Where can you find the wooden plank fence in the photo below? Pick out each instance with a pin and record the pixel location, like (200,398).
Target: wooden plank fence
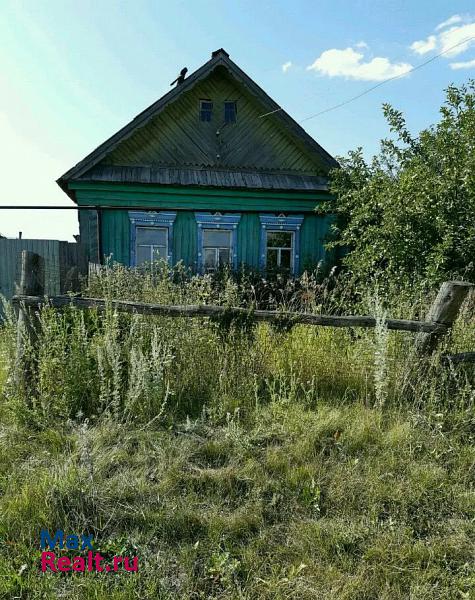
(439,320)
(64,263)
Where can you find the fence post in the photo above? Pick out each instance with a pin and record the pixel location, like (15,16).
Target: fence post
(444,311)
(31,284)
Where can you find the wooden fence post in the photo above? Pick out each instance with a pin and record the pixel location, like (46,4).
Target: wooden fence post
(443,311)
(32,279)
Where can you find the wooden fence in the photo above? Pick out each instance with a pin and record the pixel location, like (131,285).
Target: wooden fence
(30,296)
(64,263)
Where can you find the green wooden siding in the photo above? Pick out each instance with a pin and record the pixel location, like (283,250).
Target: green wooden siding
(185,239)
(115,230)
(115,224)
(313,237)
(248,240)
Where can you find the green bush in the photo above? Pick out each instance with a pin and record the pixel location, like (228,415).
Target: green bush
(407,215)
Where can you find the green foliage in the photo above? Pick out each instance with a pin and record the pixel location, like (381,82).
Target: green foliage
(407,216)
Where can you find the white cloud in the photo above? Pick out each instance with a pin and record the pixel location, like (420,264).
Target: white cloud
(468,64)
(455,31)
(424,46)
(351,64)
(456,35)
(450,21)
(286,66)
(361,45)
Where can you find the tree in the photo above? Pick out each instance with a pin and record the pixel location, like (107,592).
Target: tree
(409,214)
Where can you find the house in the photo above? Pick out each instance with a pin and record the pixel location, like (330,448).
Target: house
(212,173)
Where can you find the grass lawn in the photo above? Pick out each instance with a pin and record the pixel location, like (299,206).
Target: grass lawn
(238,465)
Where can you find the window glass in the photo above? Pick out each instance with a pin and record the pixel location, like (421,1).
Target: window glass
(151,243)
(143,254)
(279,250)
(224,257)
(216,237)
(206,110)
(279,239)
(210,258)
(272,255)
(159,253)
(216,248)
(230,111)
(152,236)
(285,259)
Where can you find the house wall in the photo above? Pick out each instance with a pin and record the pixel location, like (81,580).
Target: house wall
(114,225)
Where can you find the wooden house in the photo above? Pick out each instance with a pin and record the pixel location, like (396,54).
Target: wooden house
(213,173)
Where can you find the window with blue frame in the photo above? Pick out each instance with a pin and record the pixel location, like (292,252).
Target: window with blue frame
(151,236)
(217,240)
(280,243)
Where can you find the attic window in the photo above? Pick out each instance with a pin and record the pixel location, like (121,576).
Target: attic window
(230,111)
(206,110)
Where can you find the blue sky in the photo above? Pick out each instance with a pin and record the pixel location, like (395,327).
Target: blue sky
(72,73)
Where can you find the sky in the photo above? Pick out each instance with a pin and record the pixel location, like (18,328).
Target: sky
(72,73)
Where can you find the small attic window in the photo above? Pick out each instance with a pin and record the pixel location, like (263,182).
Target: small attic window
(206,110)
(230,111)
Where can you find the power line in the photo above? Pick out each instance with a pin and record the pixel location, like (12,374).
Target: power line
(367,91)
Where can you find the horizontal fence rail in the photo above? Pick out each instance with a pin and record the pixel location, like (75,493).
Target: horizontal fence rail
(199,310)
(31,295)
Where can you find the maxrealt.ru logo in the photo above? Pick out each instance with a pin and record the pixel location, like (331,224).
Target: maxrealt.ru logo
(90,561)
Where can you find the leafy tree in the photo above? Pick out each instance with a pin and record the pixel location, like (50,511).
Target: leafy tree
(409,213)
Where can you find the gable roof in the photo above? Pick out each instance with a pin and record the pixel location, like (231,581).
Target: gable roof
(218,58)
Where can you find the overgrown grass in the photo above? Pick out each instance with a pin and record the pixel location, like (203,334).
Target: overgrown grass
(237,461)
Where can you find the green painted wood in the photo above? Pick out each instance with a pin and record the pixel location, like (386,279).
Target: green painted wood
(248,240)
(115,231)
(213,203)
(115,225)
(185,236)
(114,188)
(313,237)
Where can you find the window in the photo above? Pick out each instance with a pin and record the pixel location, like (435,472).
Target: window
(230,111)
(206,110)
(216,248)
(279,250)
(151,236)
(151,243)
(280,242)
(217,240)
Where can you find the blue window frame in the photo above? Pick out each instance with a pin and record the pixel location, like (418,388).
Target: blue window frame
(280,242)
(151,236)
(217,240)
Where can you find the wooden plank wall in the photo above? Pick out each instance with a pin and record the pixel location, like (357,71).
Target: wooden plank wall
(178,137)
(60,258)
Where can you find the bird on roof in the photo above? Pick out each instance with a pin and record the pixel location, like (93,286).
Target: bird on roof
(181,77)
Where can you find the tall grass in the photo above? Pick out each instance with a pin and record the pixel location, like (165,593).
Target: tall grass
(239,461)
